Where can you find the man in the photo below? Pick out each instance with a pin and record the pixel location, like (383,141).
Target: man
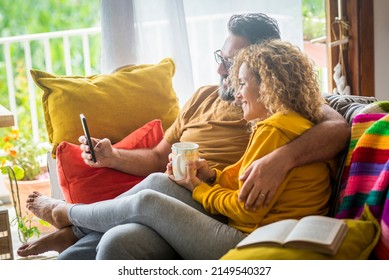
(217,126)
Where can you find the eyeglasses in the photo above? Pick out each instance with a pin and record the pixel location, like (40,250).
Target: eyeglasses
(220,59)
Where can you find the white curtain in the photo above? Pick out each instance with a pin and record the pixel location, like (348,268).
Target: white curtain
(146,31)
(117,35)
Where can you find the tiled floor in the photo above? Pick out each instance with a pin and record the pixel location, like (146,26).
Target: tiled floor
(16,243)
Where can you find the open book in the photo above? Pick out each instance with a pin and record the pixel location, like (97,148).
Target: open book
(317,233)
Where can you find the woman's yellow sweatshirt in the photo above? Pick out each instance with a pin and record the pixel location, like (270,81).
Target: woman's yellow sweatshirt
(305,191)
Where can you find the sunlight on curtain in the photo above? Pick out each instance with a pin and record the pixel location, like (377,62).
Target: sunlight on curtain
(186,30)
(117,35)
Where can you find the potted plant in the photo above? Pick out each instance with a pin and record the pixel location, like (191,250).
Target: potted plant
(20,161)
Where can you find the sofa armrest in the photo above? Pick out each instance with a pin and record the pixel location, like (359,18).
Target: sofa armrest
(56,191)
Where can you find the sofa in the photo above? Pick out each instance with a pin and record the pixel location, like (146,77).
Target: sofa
(365,226)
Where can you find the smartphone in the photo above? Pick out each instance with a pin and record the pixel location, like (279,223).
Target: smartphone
(87,135)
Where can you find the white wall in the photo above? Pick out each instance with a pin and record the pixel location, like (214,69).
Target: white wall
(381,47)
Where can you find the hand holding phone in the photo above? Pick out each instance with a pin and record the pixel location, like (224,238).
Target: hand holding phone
(87,135)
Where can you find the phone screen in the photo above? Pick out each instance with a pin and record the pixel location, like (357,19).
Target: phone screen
(87,135)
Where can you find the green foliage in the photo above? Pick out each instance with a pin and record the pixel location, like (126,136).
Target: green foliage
(21,154)
(18,171)
(20,17)
(25,228)
(24,222)
(314,24)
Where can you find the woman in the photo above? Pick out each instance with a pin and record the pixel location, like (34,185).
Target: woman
(278,91)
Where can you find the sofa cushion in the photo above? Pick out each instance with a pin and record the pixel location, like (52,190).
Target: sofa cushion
(114,104)
(81,183)
(360,240)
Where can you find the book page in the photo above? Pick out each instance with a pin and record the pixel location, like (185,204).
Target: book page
(316,229)
(275,232)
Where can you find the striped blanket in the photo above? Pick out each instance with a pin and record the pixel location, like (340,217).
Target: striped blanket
(365,178)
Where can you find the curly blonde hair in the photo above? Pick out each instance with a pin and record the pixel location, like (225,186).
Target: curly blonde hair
(286,77)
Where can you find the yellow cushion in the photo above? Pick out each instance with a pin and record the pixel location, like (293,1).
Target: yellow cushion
(360,240)
(114,104)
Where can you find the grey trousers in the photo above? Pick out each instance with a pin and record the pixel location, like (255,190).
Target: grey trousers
(157,219)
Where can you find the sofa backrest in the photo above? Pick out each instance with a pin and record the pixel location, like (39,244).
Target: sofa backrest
(348,105)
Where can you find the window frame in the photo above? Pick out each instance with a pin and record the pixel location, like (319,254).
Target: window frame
(359,52)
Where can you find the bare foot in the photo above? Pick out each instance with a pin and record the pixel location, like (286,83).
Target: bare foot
(56,241)
(51,210)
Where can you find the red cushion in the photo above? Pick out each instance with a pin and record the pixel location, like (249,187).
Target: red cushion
(83,184)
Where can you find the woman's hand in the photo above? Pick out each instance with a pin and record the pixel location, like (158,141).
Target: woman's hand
(204,172)
(191,180)
(196,172)
(169,166)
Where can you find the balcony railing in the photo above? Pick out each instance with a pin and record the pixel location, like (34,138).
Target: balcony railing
(45,40)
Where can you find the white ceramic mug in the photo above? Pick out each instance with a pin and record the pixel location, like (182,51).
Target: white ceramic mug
(182,153)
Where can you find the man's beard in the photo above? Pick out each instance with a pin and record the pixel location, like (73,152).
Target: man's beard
(226,93)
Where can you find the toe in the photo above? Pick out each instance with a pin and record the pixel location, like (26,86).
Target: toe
(22,250)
